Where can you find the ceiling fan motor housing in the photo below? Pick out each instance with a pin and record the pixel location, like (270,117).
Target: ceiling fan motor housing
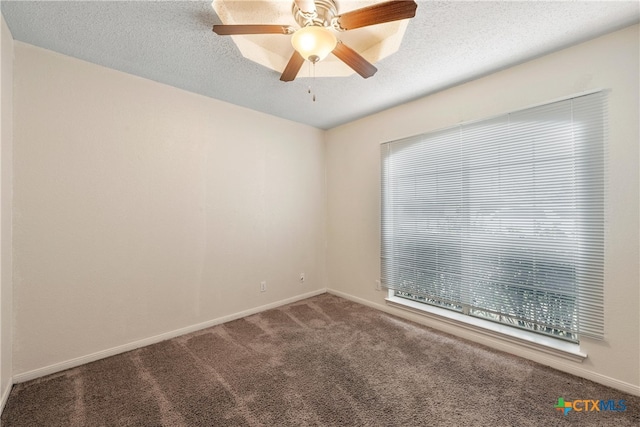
(326,10)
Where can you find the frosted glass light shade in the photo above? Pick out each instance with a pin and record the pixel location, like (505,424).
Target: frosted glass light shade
(314,43)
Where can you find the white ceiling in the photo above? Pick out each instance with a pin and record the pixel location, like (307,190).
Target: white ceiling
(447,43)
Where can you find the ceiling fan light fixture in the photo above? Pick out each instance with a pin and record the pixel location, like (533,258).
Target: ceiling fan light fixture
(313,42)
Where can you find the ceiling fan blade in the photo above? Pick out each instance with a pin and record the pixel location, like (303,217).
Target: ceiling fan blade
(377,14)
(230,30)
(354,60)
(307,6)
(291,70)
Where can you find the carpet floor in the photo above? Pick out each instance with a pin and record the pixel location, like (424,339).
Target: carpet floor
(324,361)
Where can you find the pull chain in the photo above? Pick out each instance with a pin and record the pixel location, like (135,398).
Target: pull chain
(309,89)
(314,80)
(312,75)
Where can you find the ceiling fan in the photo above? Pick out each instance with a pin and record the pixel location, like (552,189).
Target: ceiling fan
(315,38)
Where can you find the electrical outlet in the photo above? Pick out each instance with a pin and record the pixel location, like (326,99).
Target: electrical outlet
(378,287)
(301,277)
(263,286)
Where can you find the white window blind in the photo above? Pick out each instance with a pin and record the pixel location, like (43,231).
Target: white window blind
(503,218)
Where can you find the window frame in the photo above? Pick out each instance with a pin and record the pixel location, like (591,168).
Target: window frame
(571,348)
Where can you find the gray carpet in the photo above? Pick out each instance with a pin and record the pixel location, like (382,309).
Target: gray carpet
(324,361)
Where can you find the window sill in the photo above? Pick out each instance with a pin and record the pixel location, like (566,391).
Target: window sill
(505,333)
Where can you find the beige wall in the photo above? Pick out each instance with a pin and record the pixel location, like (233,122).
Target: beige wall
(353,176)
(6,167)
(141,209)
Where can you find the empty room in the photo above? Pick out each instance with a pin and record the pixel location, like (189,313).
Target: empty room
(319,213)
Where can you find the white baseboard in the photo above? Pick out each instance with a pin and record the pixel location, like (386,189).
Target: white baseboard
(508,347)
(5,396)
(72,363)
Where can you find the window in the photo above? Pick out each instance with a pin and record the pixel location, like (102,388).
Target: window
(503,218)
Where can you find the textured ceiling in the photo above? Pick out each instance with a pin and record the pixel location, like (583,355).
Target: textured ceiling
(447,43)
